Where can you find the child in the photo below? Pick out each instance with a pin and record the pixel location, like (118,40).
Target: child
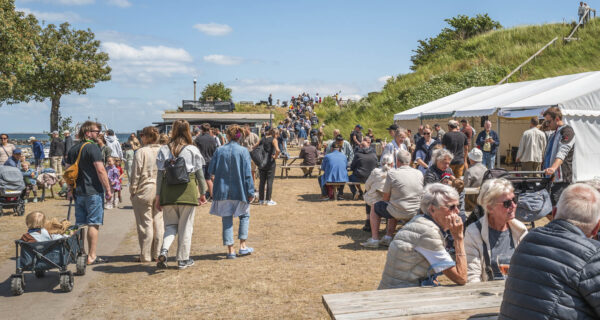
(115,184)
(36,232)
(29,176)
(121,175)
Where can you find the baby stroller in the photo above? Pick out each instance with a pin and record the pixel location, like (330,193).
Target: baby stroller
(40,257)
(12,188)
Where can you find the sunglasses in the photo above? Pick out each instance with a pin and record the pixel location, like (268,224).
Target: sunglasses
(452,207)
(427,133)
(508,203)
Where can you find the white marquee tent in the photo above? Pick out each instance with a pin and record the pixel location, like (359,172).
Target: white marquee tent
(577,95)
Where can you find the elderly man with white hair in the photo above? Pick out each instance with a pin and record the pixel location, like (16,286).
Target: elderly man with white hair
(401,197)
(494,235)
(418,253)
(489,142)
(555,271)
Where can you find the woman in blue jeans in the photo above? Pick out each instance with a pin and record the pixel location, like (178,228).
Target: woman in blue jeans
(233,189)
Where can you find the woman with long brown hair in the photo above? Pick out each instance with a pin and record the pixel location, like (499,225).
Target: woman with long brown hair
(233,189)
(180,188)
(142,187)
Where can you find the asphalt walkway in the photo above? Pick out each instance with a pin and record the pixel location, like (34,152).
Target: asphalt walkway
(43,297)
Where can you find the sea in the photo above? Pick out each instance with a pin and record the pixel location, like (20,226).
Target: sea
(20,140)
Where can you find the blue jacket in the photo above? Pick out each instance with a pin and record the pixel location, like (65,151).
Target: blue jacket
(481,140)
(38,150)
(13,163)
(334,168)
(230,164)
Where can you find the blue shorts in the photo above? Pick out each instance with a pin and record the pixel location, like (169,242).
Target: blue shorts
(381,210)
(89,210)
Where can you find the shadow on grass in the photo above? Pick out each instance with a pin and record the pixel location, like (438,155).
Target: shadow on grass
(211,257)
(127,208)
(310,197)
(357,235)
(352,222)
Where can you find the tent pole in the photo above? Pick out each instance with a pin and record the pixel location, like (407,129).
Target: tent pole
(497,153)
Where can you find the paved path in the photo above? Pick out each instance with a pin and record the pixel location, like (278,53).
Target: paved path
(42,297)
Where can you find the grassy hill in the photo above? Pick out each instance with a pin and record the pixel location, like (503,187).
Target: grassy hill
(482,60)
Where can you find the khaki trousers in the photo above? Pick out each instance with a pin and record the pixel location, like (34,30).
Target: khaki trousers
(458,169)
(531,166)
(179,220)
(56,164)
(150,228)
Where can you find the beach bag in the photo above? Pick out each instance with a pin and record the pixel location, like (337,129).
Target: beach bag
(72,172)
(260,156)
(176,171)
(532,206)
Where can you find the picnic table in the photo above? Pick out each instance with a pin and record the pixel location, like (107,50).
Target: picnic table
(287,166)
(473,301)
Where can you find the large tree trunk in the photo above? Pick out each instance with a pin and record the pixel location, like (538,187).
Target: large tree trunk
(54,114)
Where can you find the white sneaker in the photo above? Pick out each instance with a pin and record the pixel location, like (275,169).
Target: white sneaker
(271,203)
(371,243)
(261,202)
(386,241)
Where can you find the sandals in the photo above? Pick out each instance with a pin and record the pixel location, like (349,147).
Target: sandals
(231,256)
(245,252)
(98,260)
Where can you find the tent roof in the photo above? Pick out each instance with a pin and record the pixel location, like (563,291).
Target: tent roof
(576,94)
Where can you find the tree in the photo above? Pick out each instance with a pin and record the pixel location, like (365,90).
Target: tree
(461,28)
(18,35)
(216,91)
(67,61)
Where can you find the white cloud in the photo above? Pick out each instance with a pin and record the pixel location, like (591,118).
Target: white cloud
(54,16)
(384,79)
(64,2)
(144,64)
(213,29)
(223,60)
(120,3)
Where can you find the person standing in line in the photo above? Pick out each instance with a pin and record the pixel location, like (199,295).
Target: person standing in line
(92,186)
(233,189)
(531,147)
(558,159)
(457,143)
(38,152)
(267,174)
(6,149)
(57,151)
(142,189)
(488,141)
(207,146)
(177,198)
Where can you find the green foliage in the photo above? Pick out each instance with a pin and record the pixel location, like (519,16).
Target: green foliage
(65,123)
(481,60)
(68,61)
(461,28)
(216,91)
(18,34)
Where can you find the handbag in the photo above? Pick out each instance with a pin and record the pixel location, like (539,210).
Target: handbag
(260,156)
(176,171)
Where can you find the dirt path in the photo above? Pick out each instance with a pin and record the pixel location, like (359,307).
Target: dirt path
(43,296)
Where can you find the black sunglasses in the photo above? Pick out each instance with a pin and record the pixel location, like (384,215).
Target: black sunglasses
(452,207)
(508,203)
(426,133)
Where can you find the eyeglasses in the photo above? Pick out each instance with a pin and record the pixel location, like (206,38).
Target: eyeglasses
(427,133)
(452,207)
(3,138)
(508,203)
(96,131)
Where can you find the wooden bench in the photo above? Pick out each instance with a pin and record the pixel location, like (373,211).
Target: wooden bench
(474,301)
(287,169)
(336,185)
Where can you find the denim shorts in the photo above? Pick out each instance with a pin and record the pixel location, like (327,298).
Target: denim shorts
(89,210)
(381,210)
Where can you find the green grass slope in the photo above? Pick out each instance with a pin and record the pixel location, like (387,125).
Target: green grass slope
(482,60)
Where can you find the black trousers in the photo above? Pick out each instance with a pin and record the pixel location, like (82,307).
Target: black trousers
(266,176)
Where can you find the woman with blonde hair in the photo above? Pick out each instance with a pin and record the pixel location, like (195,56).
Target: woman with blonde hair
(233,189)
(267,174)
(180,188)
(142,187)
(496,234)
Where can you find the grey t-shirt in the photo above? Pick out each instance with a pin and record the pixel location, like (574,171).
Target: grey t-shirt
(405,186)
(501,243)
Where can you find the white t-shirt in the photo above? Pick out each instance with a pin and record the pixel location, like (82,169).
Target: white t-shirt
(439,260)
(190,154)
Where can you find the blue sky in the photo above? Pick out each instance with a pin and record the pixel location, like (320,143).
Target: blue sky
(257,47)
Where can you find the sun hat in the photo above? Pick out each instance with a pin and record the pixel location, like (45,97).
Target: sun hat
(475,155)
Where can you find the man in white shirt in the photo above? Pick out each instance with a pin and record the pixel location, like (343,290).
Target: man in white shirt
(531,147)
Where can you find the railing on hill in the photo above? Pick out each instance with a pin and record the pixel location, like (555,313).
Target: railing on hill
(520,67)
(580,23)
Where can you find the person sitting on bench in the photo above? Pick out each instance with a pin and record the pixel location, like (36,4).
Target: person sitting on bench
(309,155)
(334,170)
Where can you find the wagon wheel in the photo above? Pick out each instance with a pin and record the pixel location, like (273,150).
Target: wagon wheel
(81,264)
(20,208)
(66,282)
(17,287)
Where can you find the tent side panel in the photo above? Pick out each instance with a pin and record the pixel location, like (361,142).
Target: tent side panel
(587,146)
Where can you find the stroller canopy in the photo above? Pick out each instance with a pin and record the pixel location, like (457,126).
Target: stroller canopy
(11,178)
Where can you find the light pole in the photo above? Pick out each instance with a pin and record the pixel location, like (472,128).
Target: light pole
(194,89)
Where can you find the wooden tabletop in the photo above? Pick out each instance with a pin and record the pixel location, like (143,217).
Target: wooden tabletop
(481,300)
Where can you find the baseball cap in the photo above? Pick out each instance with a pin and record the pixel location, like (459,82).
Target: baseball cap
(54,132)
(339,137)
(66,131)
(392,127)
(358,126)
(17,151)
(31,138)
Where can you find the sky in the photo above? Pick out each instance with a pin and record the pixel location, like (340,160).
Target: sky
(157,49)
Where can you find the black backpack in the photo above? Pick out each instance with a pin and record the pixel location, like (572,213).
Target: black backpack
(260,156)
(176,171)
